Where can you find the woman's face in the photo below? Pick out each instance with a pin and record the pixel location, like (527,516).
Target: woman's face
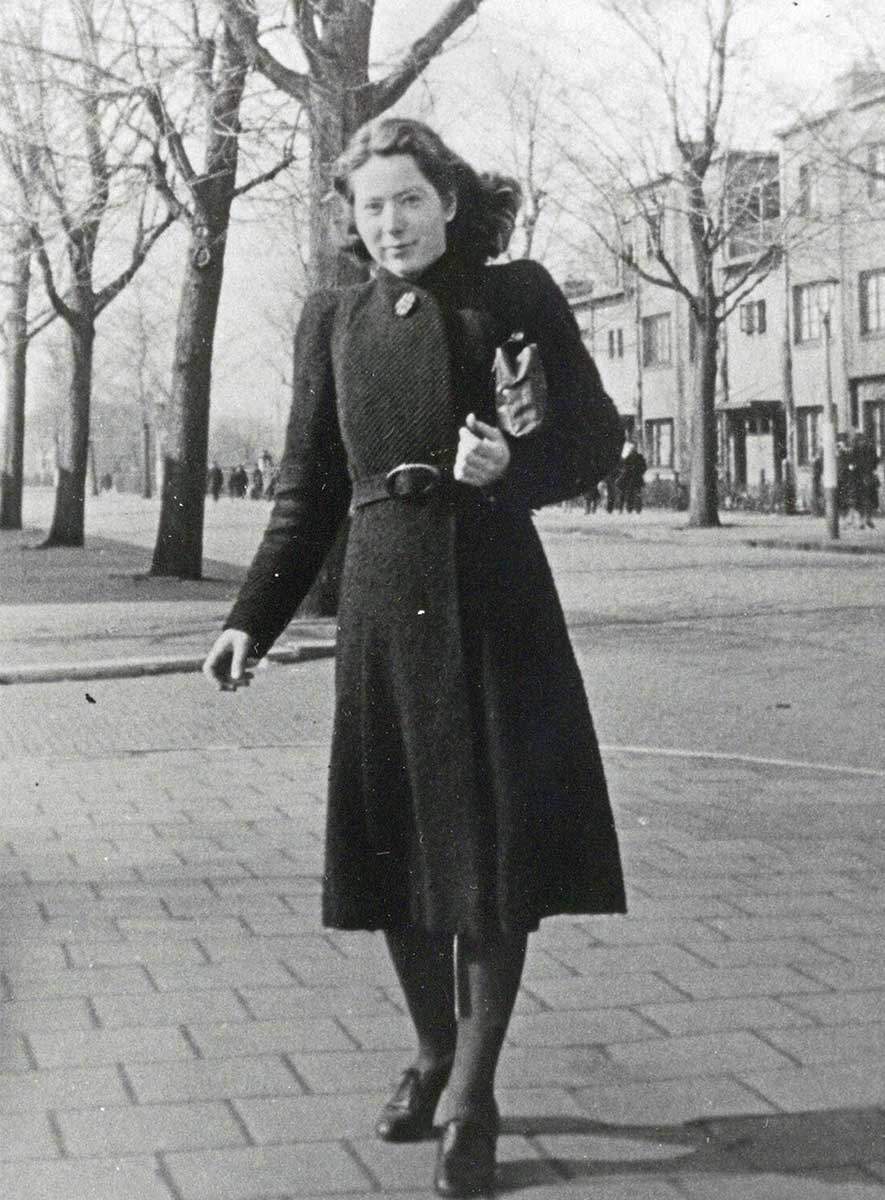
(399,214)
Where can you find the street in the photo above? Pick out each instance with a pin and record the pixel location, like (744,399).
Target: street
(176,1024)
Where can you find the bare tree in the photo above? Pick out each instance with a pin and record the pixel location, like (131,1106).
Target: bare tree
(725,201)
(203,201)
(84,166)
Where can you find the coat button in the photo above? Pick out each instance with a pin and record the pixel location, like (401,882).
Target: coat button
(405,304)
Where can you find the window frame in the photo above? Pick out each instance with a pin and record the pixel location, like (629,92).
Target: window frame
(867,328)
(653,441)
(652,355)
(808,433)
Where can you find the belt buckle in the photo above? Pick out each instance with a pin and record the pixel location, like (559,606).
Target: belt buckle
(405,480)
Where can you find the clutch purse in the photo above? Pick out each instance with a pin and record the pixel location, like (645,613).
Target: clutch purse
(520,387)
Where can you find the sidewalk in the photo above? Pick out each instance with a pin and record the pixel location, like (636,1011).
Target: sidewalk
(95,612)
(175,1024)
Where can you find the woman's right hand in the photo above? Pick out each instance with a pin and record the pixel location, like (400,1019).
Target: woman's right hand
(225,663)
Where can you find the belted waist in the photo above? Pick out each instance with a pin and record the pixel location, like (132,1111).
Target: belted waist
(407,481)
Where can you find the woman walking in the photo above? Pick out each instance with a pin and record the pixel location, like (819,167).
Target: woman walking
(466,793)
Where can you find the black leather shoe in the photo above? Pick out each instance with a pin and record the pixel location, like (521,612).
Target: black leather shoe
(465,1163)
(408,1114)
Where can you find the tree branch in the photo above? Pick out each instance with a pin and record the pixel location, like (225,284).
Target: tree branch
(142,248)
(240,18)
(387,91)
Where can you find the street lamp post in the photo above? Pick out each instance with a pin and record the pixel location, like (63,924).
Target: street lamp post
(830,478)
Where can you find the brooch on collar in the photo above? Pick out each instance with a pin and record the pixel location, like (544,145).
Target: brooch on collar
(407,302)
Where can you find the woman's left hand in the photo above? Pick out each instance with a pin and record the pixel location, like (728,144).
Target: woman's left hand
(483,454)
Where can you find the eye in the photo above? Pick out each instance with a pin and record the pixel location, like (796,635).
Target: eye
(412,198)
(372,206)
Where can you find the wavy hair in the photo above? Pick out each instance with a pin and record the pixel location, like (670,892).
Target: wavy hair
(486,204)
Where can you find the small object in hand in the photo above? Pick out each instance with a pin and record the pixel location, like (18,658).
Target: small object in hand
(231,685)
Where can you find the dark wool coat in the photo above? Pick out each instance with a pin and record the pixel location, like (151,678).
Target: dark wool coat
(466,791)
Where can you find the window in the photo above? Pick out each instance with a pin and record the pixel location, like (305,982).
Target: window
(810,301)
(871,291)
(807,435)
(659,442)
(876,170)
(809,195)
(752,316)
(654,233)
(656,341)
(616,343)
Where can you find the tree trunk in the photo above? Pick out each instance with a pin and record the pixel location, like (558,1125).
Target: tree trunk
(185,450)
(179,546)
(12,430)
(67,528)
(703,503)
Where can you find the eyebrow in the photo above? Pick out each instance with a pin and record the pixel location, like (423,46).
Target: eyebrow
(415,187)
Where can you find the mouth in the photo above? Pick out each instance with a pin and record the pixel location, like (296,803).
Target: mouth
(402,249)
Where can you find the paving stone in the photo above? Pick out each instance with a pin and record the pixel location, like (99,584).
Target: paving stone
(411,1166)
(27,1091)
(26,1135)
(134,951)
(265,1171)
(212,1079)
(169,1008)
(148,1128)
(780,952)
(237,973)
(799,1089)
(707,983)
(842,1008)
(641,987)
(571,1067)
(849,976)
(753,1186)
(269,1037)
(94,1047)
(839,1043)
(703,1054)
(24,1016)
(355,1071)
(310,1118)
(705,1016)
(70,982)
(274,1003)
(670,1103)
(114,1179)
(578,1028)
(604,961)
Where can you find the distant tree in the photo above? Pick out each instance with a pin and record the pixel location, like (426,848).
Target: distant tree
(720,196)
(85,164)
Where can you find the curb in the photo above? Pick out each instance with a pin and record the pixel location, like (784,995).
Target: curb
(828,547)
(134,668)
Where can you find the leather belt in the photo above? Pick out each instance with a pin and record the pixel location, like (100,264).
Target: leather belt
(408,481)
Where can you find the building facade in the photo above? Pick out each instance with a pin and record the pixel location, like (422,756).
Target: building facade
(812,328)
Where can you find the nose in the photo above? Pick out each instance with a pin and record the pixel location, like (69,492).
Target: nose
(392,217)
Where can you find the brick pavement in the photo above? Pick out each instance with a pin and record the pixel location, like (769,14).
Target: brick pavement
(176,1025)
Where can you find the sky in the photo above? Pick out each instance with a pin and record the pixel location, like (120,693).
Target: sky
(790,51)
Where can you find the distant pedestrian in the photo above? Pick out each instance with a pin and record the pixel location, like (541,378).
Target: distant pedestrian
(215,481)
(612,486)
(467,798)
(817,483)
(256,484)
(862,491)
(633,468)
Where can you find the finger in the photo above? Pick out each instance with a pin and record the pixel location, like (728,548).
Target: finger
(482,430)
(216,665)
(238,662)
(467,439)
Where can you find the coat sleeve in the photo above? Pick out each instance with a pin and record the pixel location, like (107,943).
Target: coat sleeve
(581,438)
(312,492)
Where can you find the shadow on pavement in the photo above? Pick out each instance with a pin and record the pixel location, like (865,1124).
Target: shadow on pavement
(774,1144)
(103,570)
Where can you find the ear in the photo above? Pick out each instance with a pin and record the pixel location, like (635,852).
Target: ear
(450,207)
